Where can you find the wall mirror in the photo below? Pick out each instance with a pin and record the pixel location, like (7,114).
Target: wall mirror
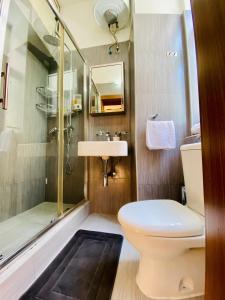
(107,89)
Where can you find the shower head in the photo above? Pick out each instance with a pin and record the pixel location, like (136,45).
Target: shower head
(111,16)
(51,40)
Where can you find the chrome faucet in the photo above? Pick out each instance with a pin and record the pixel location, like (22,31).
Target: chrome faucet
(108,136)
(119,134)
(100,132)
(106,133)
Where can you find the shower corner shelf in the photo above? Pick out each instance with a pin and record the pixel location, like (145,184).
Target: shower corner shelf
(46,93)
(50,110)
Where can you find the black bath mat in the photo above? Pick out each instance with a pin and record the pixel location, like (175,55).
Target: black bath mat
(84,270)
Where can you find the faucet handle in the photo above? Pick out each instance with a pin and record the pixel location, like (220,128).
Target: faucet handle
(124,133)
(100,132)
(106,133)
(108,136)
(120,133)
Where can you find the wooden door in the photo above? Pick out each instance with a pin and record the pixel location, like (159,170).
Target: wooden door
(209,26)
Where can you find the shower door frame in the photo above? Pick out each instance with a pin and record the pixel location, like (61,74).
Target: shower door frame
(60,116)
(60,111)
(60,124)
(4,11)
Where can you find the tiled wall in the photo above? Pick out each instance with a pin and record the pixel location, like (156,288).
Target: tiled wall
(160,88)
(23,170)
(73,189)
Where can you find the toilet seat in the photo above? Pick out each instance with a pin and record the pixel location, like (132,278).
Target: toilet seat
(161,218)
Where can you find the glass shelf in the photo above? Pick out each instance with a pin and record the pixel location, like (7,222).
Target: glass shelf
(51,111)
(46,93)
(48,109)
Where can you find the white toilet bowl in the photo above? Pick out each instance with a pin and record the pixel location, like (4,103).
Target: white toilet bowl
(170,239)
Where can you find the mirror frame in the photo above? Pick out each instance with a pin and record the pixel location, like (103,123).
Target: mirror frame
(121,63)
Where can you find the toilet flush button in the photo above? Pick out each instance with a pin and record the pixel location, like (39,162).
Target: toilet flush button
(171,53)
(186,285)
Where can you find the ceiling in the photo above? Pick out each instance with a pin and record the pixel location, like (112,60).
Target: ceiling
(79,17)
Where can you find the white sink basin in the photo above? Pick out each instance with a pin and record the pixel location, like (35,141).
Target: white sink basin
(102,148)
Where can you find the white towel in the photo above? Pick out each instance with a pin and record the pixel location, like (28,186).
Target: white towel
(196,129)
(160,135)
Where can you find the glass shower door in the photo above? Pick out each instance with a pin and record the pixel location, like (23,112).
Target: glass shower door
(29,54)
(74,166)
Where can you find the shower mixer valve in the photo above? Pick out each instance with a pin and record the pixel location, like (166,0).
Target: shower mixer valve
(54,130)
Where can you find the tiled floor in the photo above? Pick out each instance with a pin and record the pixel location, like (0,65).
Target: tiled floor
(17,230)
(125,287)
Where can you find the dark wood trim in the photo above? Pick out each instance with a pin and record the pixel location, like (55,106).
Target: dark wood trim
(108,113)
(209,26)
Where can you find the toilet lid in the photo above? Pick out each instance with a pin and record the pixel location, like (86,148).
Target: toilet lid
(161,218)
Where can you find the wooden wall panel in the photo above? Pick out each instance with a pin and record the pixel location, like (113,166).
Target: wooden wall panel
(160,87)
(109,199)
(209,25)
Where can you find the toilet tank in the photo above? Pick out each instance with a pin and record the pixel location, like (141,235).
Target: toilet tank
(192,167)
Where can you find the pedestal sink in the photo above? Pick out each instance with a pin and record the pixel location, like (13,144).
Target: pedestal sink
(103,149)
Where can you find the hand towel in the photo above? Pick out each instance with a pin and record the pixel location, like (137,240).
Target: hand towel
(196,129)
(160,135)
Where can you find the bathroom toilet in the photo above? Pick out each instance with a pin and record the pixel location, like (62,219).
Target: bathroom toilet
(170,237)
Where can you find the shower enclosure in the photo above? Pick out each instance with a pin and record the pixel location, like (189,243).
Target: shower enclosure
(42,101)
